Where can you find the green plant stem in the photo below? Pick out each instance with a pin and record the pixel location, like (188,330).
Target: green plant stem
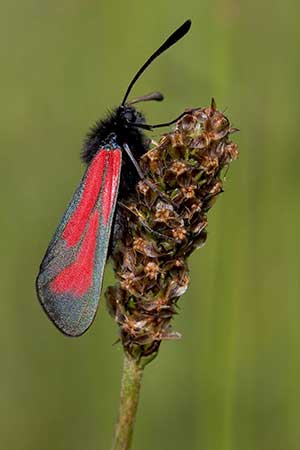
(130,390)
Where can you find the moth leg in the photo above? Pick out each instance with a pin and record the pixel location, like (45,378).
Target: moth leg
(142,175)
(147,126)
(145,225)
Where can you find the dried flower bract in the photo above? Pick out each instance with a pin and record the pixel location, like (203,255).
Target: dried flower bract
(161,231)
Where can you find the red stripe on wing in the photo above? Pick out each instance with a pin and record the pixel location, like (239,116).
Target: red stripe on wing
(78,277)
(92,184)
(111,184)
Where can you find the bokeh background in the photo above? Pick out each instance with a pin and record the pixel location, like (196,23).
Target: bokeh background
(232,382)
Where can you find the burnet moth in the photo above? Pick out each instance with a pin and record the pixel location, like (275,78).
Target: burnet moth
(70,277)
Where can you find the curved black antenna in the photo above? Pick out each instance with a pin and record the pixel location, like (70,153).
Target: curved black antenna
(157,96)
(178,34)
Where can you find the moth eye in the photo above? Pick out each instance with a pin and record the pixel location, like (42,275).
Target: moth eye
(129,116)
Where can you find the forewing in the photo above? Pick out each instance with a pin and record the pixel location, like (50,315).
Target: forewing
(70,277)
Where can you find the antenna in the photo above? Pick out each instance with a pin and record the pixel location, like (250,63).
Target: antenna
(178,34)
(157,96)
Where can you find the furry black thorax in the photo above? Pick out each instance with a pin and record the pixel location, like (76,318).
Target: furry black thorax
(120,124)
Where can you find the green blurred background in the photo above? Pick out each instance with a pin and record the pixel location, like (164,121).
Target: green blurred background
(232,382)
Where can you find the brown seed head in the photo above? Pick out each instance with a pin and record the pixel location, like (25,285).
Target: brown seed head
(162,230)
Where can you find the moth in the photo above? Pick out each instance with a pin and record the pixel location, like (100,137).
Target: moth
(70,276)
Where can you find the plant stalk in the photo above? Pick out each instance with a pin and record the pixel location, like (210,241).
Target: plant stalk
(130,390)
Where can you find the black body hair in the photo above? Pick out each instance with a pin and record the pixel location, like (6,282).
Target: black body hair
(124,124)
(120,123)
(116,129)
(119,127)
